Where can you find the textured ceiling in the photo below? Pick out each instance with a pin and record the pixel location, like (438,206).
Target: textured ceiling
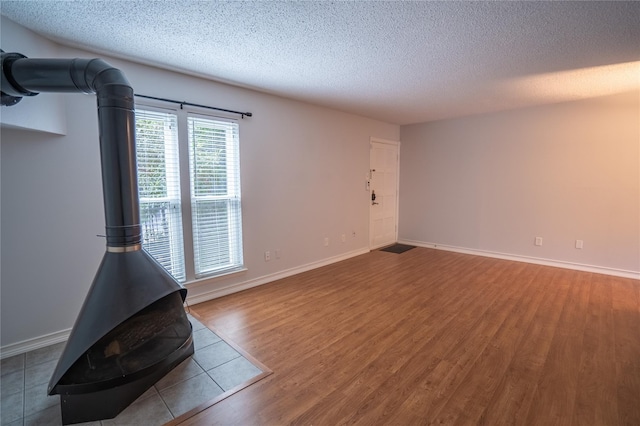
(401,62)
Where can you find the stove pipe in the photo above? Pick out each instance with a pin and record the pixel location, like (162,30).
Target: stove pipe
(116,120)
(128,279)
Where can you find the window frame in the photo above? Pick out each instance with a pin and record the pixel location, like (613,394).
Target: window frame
(182,113)
(173,196)
(235,198)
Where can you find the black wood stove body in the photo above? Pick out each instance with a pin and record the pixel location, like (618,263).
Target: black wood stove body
(132,328)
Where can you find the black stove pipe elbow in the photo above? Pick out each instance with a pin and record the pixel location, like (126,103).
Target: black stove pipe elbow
(22,76)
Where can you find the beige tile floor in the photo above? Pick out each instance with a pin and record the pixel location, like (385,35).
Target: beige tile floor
(214,369)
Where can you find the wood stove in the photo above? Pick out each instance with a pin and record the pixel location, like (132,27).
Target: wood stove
(132,328)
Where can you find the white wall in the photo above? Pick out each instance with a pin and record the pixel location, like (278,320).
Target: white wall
(303,170)
(48,114)
(493,183)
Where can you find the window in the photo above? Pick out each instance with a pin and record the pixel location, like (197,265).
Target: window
(198,235)
(159,189)
(215,194)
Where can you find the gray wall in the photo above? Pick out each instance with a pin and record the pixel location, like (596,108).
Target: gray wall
(494,182)
(303,174)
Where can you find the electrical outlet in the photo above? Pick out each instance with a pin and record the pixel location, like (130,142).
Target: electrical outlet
(353,234)
(267,256)
(579,244)
(538,241)
(326,241)
(344,238)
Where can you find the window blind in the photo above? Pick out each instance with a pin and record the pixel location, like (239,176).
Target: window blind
(159,189)
(215,194)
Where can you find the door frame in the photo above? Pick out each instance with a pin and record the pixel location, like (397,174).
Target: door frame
(396,143)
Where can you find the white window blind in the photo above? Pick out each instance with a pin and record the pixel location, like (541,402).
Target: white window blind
(215,194)
(211,175)
(159,189)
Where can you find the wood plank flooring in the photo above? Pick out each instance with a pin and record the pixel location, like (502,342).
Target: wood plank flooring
(433,337)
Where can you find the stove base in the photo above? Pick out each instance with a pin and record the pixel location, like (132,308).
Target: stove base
(108,403)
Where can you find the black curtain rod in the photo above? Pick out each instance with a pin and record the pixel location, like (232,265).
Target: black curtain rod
(182,103)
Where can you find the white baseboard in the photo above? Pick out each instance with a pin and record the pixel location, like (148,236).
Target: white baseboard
(234,288)
(535,260)
(32,344)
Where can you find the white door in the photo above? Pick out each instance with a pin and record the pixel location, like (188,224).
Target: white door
(383,191)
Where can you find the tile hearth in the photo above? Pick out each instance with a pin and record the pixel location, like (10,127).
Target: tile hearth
(215,368)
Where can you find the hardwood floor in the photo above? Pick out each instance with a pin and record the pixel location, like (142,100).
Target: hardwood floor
(433,337)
